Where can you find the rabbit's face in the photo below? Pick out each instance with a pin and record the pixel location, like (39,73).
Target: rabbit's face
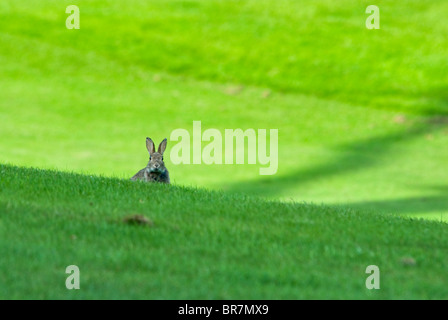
(156,164)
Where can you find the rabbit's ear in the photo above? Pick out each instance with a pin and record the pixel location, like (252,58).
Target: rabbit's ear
(150,146)
(162,146)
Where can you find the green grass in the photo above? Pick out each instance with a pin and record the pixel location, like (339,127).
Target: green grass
(319,48)
(203,244)
(84,100)
(363,128)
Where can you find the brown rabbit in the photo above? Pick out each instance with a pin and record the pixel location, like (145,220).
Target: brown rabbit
(155,170)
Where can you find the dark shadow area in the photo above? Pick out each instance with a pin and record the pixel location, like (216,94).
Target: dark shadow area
(439,107)
(424,204)
(353,157)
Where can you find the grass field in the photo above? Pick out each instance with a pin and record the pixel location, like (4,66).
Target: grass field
(362,117)
(202,244)
(361,113)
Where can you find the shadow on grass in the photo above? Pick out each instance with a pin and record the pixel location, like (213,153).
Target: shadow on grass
(423,204)
(354,157)
(439,107)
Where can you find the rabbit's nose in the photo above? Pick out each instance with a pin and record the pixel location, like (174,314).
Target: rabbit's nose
(156,165)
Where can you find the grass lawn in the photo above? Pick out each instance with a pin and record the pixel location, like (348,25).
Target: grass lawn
(361,113)
(362,117)
(202,244)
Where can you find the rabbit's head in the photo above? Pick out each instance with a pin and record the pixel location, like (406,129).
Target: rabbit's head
(156,164)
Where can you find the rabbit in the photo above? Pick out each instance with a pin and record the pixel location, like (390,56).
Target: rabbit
(155,171)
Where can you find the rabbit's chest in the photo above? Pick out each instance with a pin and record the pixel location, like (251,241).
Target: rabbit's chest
(157,177)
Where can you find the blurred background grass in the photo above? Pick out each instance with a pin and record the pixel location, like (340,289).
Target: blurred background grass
(362,114)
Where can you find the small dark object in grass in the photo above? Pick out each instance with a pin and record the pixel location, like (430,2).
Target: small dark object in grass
(408,261)
(138,219)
